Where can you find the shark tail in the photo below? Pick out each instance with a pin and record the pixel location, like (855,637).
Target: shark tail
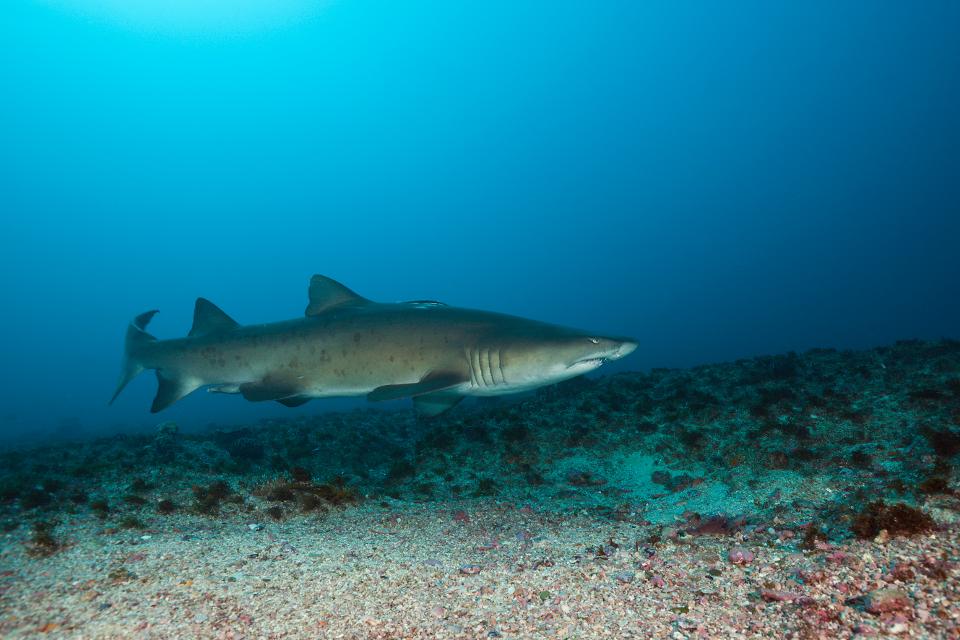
(137,336)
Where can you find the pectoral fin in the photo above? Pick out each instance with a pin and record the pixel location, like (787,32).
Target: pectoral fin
(294,401)
(434,381)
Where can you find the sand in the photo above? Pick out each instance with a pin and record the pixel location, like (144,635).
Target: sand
(470,570)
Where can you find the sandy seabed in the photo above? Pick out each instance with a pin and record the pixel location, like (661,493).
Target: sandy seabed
(473,570)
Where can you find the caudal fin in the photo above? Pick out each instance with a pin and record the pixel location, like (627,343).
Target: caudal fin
(137,336)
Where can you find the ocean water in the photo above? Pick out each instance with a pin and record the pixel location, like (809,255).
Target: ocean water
(764,197)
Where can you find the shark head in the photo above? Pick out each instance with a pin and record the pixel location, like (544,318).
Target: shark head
(553,354)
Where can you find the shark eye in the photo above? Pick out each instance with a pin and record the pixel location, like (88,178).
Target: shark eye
(595,340)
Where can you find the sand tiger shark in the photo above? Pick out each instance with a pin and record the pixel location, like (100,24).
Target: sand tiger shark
(347,345)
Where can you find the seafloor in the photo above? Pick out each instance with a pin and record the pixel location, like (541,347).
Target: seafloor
(812,495)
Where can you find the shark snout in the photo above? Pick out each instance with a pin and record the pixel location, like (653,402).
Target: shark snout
(623,347)
(605,350)
(616,348)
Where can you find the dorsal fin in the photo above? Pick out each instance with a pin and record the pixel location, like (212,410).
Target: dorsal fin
(326,293)
(209,318)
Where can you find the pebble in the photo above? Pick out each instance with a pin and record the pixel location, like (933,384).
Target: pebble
(255,527)
(625,576)
(470,569)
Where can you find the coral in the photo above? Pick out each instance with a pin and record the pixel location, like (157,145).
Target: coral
(934,485)
(208,499)
(246,449)
(310,502)
(580,478)
(896,519)
(944,442)
(42,543)
(336,493)
(516,433)
(275,512)
(281,493)
(166,507)
(485,487)
(811,535)
(399,471)
(861,459)
(139,485)
(35,498)
(165,445)
(100,508)
(310,496)
(299,474)
(218,489)
(718,525)
(120,575)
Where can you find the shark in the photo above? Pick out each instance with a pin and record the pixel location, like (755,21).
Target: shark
(348,345)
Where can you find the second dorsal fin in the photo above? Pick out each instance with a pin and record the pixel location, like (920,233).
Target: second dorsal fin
(208,318)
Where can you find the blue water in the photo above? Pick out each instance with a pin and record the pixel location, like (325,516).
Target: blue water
(716,180)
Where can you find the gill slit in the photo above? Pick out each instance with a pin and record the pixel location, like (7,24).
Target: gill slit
(468,352)
(475,363)
(484,373)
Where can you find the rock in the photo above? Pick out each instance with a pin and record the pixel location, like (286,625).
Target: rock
(662,478)
(740,555)
(168,428)
(470,569)
(580,478)
(625,577)
(770,595)
(165,444)
(887,600)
